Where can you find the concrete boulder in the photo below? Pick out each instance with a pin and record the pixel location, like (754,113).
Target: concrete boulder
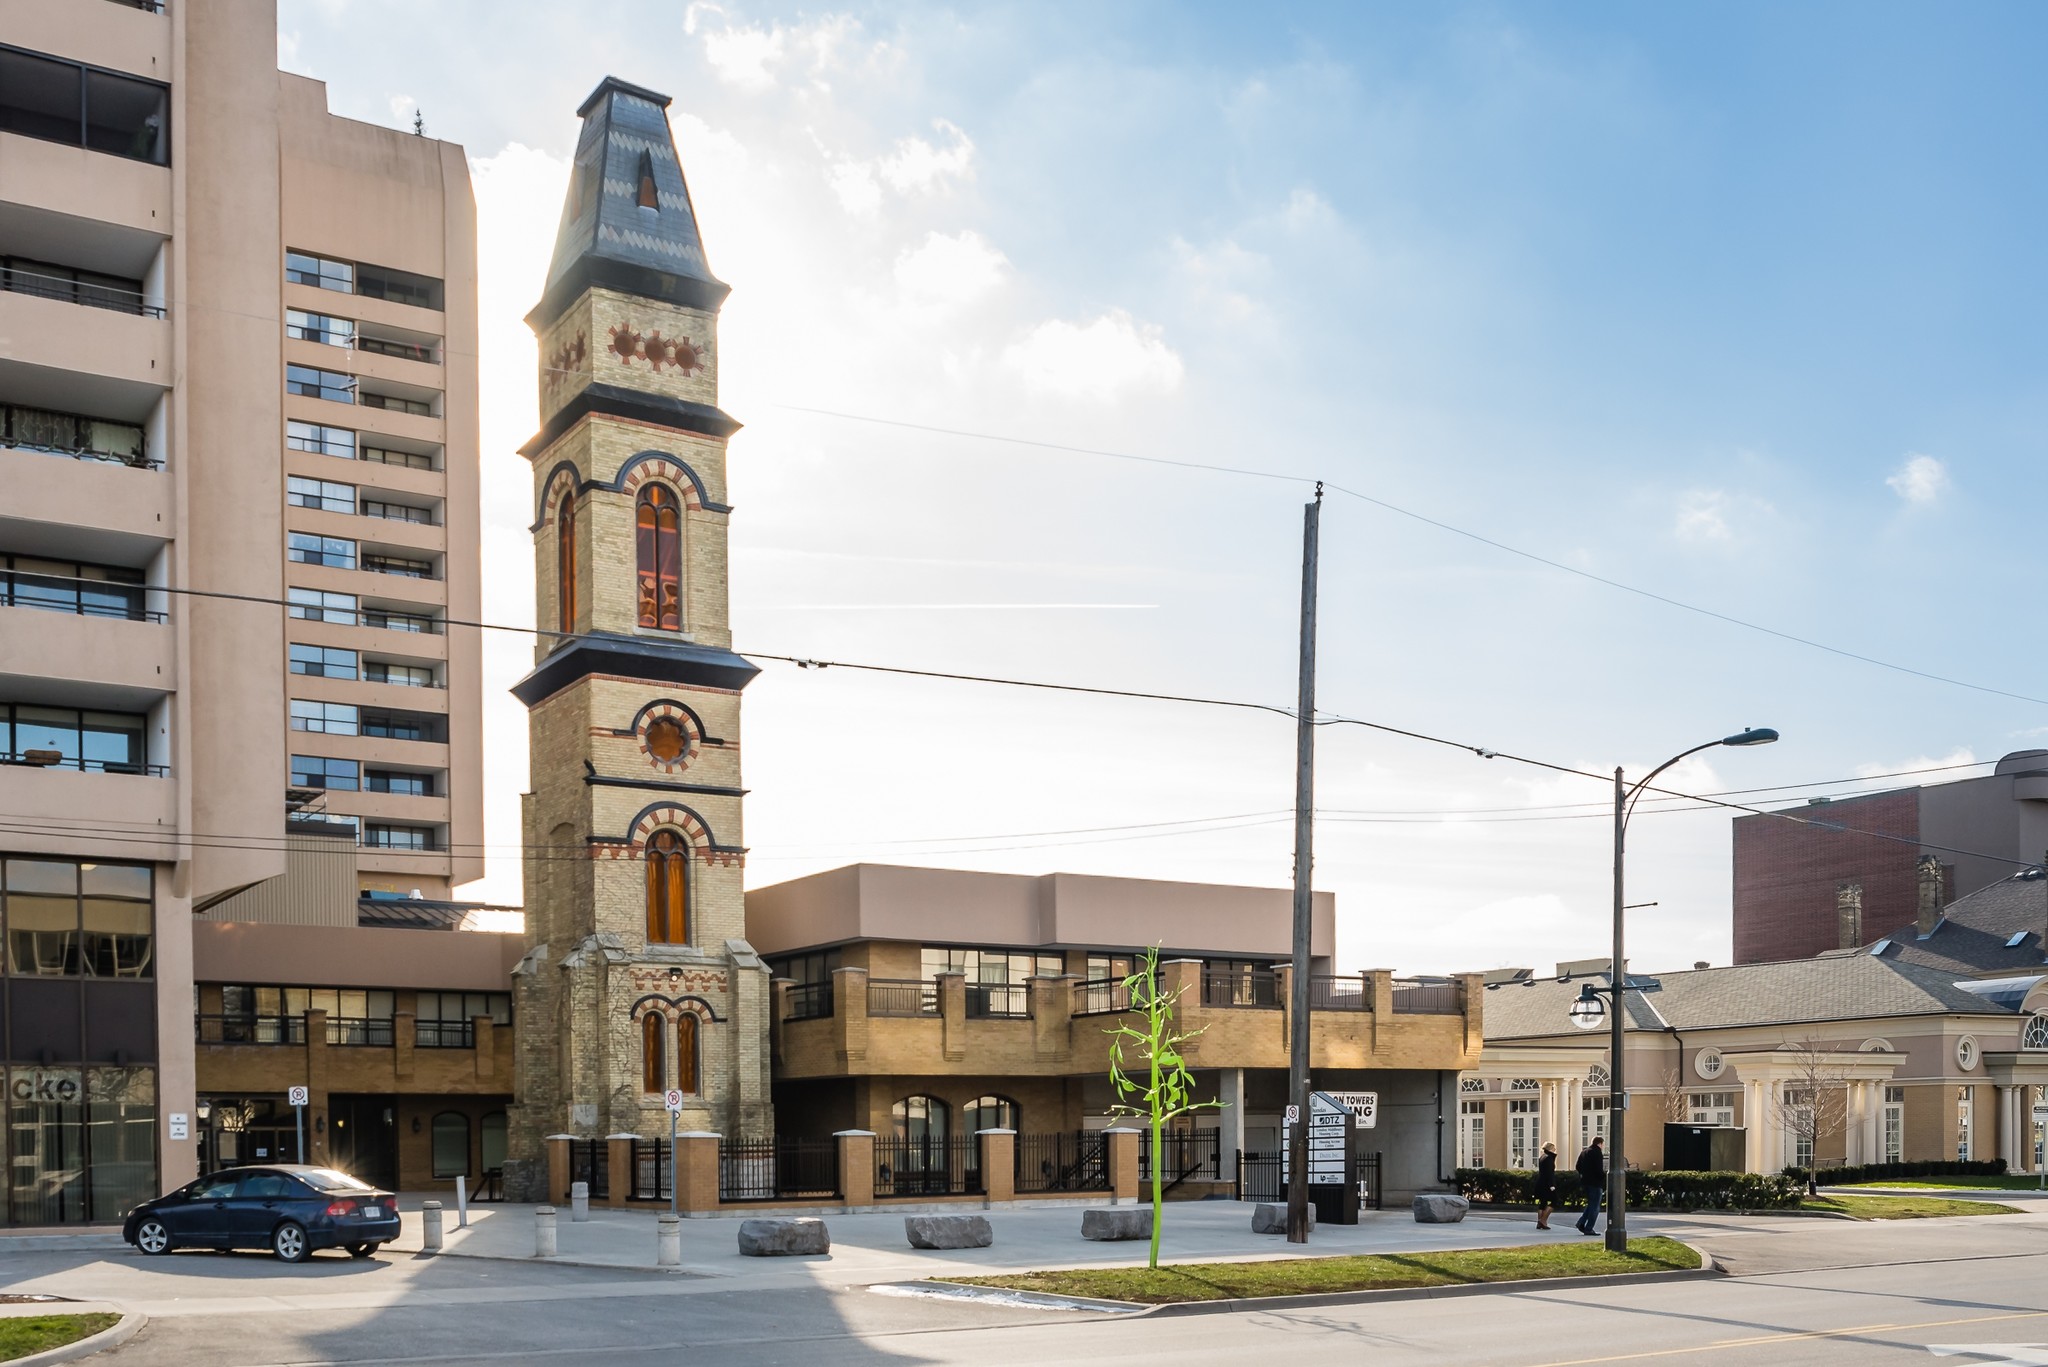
(1272,1219)
(1119,1222)
(783,1238)
(1440,1208)
(948,1231)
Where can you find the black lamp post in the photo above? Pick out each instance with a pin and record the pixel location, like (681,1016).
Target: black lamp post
(1625,796)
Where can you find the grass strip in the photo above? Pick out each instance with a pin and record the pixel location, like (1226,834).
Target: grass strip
(1376,1272)
(1859,1207)
(2032,1183)
(24,1334)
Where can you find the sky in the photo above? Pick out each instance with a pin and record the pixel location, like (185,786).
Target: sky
(1737,305)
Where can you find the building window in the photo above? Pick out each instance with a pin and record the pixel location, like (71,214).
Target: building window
(653,1054)
(309,382)
(1472,1134)
(1711,1108)
(77,920)
(668,890)
(451,1144)
(318,771)
(318,605)
(398,512)
(398,784)
(84,1142)
(649,197)
(1597,1076)
(565,562)
(1894,1124)
(320,439)
(326,718)
(324,273)
(660,555)
(1592,1119)
(1524,1132)
(400,287)
(386,455)
(491,1142)
(1966,1114)
(418,838)
(82,106)
(447,1020)
(68,285)
(919,1119)
(323,662)
(405,676)
(989,1113)
(67,738)
(998,981)
(412,623)
(405,567)
(1524,1084)
(403,726)
(1471,1084)
(302,326)
(305,548)
(395,403)
(322,494)
(73,586)
(74,434)
(686,1054)
(2035,1036)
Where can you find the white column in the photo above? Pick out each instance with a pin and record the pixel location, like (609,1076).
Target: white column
(1852,1122)
(1752,1127)
(1230,1121)
(2008,1124)
(1873,1123)
(1573,1097)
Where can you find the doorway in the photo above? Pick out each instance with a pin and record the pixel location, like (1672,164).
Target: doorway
(362,1138)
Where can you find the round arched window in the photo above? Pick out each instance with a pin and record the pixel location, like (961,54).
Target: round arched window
(1596,1076)
(666,739)
(2035,1036)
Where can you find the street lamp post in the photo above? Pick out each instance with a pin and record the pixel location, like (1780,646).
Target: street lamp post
(1625,796)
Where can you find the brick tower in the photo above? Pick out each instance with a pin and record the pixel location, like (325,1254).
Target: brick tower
(637,978)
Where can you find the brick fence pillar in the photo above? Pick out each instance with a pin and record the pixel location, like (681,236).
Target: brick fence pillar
(1123,1165)
(856,1166)
(618,1158)
(558,1166)
(696,1160)
(998,1164)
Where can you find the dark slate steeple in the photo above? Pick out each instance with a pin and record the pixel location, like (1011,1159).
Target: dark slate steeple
(628,224)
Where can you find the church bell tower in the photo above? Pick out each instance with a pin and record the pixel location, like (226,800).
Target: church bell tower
(637,978)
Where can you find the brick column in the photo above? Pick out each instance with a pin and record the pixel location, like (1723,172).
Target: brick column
(1052,1013)
(696,1160)
(1382,1009)
(856,1166)
(953,1016)
(1472,1002)
(1123,1165)
(316,1084)
(558,1166)
(778,1013)
(998,1164)
(484,1031)
(404,1036)
(618,1157)
(850,1013)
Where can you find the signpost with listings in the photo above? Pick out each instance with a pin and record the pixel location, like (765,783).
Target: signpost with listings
(1332,1170)
(298,1097)
(673,1099)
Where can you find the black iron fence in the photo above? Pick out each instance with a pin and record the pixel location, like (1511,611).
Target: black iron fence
(929,1166)
(1424,997)
(590,1162)
(1331,992)
(998,1001)
(902,997)
(1185,1155)
(778,1169)
(444,1034)
(369,1031)
(1101,997)
(1070,1160)
(653,1174)
(1259,1178)
(809,1001)
(1240,987)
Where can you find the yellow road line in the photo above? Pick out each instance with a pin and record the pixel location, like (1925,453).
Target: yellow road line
(1752,1342)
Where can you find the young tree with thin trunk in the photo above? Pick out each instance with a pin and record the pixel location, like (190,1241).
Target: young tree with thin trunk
(1813,1102)
(1157,1087)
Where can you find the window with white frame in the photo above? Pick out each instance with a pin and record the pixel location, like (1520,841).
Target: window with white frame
(1894,1136)
(1471,1084)
(1471,1134)
(1592,1119)
(1966,1109)
(1525,1132)
(1798,1127)
(1524,1084)
(2035,1036)
(1597,1076)
(1711,1108)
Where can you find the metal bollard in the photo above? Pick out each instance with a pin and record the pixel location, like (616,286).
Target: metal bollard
(579,1202)
(669,1245)
(430,1225)
(462,1203)
(544,1232)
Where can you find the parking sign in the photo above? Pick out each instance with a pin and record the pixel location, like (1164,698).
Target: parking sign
(673,1099)
(298,1096)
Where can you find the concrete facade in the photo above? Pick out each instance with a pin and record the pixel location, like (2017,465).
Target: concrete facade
(150,461)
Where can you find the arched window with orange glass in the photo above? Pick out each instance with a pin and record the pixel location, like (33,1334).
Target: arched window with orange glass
(686,1054)
(668,889)
(565,561)
(653,1054)
(659,544)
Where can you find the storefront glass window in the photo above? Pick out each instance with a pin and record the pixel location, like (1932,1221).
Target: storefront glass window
(81,1143)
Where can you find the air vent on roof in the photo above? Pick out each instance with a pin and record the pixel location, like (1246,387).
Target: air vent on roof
(2016,941)
(1877,950)
(2030,875)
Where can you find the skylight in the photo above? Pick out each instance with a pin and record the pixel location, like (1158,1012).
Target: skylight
(2017,940)
(1877,950)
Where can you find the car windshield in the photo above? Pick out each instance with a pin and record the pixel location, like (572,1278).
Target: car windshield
(328,1179)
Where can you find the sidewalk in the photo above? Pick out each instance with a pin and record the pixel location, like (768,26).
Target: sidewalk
(869,1248)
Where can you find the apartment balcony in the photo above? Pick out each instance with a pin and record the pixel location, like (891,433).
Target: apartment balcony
(86,185)
(403,647)
(264,1055)
(75,811)
(137,658)
(400,589)
(131,35)
(92,509)
(372,478)
(369,420)
(1054,1027)
(381,314)
(373,751)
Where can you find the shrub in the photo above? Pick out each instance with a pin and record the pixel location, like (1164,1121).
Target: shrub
(1663,1189)
(1880,1172)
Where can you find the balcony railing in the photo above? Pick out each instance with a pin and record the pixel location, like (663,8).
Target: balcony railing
(902,997)
(998,1001)
(411,622)
(809,1001)
(393,403)
(1226,988)
(364,1031)
(404,351)
(1423,998)
(77,595)
(1101,997)
(103,293)
(444,1034)
(77,435)
(42,759)
(397,512)
(1332,992)
(384,455)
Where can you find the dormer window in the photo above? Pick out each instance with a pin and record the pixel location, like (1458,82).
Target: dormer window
(649,197)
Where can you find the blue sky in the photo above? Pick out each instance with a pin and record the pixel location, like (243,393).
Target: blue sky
(1736,304)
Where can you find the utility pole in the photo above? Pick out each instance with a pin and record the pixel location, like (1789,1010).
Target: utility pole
(1304,830)
(1617,1063)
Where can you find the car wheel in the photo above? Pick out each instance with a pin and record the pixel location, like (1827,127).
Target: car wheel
(361,1250)
(152,1238)
(288,1242)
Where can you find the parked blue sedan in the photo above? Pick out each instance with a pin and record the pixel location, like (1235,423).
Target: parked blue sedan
(287,1208)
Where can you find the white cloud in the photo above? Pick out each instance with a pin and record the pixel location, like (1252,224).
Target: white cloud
(1922,479)
(1111,356)
(1961,755)
(860,194)
(403,107)
(1702,517)
(743,56)
(955,269)
(921,166)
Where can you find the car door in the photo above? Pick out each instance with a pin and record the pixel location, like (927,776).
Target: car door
(256,1207)
(199,1214)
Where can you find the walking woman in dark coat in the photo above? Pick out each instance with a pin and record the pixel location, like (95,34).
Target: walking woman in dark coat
(1546,1185)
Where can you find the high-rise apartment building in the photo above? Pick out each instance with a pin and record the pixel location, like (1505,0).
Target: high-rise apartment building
(238,444)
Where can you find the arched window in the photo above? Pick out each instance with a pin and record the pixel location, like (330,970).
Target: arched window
(668,890)
(491,1141)
(919,1119)
(649,199)
(451,1144)
(653,1047)
(2035,1036)
(1596,1076)
(659,533)
(686,1054)
(565,561)
(989,1113)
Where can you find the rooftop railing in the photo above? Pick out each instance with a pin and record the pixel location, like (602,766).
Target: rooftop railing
(1422,997)
(902,997)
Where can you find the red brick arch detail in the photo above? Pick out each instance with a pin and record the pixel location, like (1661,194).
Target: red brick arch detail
(672,1009)
(673,818)
(664,472)
(563,480)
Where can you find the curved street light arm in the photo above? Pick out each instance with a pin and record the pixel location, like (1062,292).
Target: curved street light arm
(1635,790)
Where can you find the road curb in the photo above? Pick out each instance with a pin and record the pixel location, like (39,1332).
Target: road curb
(127,1327)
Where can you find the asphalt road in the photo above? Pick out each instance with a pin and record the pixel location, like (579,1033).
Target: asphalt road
(1805,1292)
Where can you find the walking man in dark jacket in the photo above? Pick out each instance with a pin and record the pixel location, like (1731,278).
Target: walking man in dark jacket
(1592,1167)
